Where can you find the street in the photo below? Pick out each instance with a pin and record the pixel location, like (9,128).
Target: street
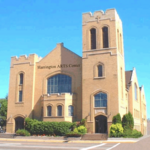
(142,144)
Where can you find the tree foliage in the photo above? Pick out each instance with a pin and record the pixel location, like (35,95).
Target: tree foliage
(117,119)
(3,112)
(127,121)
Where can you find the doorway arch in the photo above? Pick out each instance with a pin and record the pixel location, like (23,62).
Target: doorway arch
(19,123)
(100,124)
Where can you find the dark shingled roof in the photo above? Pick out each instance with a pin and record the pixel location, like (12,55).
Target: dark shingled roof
(128,77)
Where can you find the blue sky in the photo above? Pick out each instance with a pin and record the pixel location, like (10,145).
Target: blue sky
(35,26)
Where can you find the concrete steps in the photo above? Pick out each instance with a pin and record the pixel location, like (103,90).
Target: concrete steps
(7,135)
(95,136)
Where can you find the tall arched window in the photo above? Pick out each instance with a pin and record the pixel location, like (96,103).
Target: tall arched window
(70,110)
(93,38)
(100,70)
(118,40)
(100,100)
(59,110)
(59,83)
(121,44)
(105,37)
(49,111)
(135,91)
(42,111)
(21,78)
(121,80)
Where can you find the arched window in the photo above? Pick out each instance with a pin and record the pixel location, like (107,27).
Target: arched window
(59,110)
(41,111)
(70,110)
(93,38)
(21,78)
(100,100)
(121,81)
(121,44)
(100,70)
(118,40)
(105,37)
(135,91)
(49,111)
(59,83)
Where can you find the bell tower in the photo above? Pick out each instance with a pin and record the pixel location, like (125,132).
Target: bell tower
(102,65)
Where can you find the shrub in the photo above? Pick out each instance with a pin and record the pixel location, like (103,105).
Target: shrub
(22,132)
(73,134)
(82,129)
(63,128)
(48,128)
(136,134)
(83,122)
(128,133)
(74,125)
(117,119)
(75,130)
(116,130)
(127,121)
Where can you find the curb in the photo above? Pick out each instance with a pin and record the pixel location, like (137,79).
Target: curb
(64,141)
(30,140)
(102,141)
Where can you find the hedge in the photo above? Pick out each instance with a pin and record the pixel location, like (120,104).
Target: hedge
(48,128)
(73,134)
(22,132)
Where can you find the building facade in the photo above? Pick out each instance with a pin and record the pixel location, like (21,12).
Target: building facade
(63,86)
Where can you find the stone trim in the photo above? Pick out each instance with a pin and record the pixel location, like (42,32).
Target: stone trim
(22,64)
(100,54)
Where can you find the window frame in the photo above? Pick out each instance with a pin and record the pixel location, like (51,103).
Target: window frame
(21,78)
(104,37)
(96,71)
(104,104)
(135,92)
(49,106)
(91,38)
(20,96)
(56,84)
(101,70)
(61,114)
(70,111)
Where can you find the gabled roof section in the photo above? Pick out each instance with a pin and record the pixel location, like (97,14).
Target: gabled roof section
(128,75)
(57,51)
(72,52)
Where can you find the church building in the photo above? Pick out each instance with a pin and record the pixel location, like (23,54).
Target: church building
(63,86)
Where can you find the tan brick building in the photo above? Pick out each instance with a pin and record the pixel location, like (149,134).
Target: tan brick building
(63,86)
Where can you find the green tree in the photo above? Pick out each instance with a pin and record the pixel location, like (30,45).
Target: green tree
(127,121)
(117,119)
(3,112)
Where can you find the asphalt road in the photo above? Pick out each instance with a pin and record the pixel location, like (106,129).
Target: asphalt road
(53,146)
(143,144)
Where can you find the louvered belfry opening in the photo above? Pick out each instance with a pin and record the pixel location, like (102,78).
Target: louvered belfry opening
(93,38)
(105,37)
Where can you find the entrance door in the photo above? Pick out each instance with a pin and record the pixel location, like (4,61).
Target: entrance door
(101,124)
(19,123)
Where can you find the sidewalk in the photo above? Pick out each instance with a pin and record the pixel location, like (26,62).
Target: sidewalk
(69,140)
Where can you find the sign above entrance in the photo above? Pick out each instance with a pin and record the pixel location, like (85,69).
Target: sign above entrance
(59,66)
